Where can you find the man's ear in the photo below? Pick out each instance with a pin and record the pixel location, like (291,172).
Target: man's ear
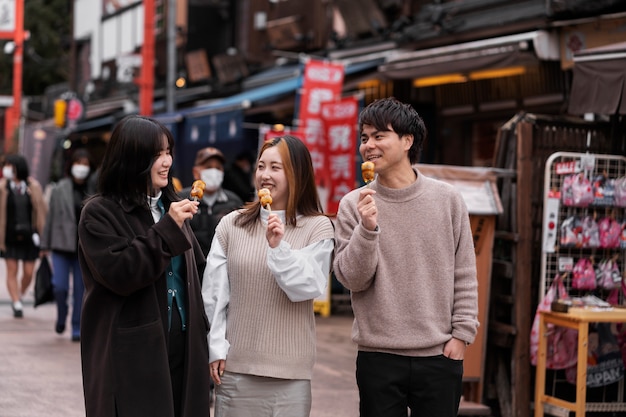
(196,172)
(408,138)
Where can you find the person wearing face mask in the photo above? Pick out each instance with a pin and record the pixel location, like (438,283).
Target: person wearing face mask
(216,201)
(22,216)
(60,239)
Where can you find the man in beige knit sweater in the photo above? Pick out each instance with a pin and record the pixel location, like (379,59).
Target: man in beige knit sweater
(404,249)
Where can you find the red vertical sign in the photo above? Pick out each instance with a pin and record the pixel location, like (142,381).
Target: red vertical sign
(339,120)
(323,82)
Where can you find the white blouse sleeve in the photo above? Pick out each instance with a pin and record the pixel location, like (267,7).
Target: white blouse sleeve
(302,274)
(216,295)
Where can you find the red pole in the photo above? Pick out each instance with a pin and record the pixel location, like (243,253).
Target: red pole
(13,114)
(146,78)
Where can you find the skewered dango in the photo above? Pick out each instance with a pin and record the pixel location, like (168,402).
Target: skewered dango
(197,190)
(367,170)
(265,197)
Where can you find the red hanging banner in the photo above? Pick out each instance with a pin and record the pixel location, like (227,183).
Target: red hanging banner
(323,82)
(340,125)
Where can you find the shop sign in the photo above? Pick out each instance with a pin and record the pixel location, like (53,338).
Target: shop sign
(323,82)
(339,121)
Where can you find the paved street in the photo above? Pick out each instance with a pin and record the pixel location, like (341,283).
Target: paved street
(40,373)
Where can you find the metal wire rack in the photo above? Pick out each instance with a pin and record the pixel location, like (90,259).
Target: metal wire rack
(555,258)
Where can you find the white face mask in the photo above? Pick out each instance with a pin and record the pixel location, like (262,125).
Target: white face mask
(80,172)
(212,177)
(7,172)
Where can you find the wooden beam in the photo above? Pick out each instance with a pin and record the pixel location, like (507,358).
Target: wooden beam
(520,362)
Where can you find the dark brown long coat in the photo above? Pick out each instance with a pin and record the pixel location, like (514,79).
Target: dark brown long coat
(124,338)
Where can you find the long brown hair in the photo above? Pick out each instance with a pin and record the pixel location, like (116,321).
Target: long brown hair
(298,166)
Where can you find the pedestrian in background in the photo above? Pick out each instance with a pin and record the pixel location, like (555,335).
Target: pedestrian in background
(264,269)
(238,177)
(22,216)
(60,239)
(216,201)
(143,328)
(405,251)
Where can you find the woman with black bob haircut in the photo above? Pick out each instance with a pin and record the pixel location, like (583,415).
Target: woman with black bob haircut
(143,328)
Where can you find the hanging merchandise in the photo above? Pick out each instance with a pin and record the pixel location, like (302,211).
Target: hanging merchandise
(610,233)
(576,191)
(562,342)
(603,190)
(590,233)
(619,192)
(584,275)
(571,233)
(588,224)
(608,275)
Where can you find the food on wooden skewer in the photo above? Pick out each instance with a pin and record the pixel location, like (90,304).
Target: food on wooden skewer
(367,170)
(265,197)
(197,190)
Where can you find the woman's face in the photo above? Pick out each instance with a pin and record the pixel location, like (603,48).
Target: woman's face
(80,169)
(8,171)
(270,174)
(161,167)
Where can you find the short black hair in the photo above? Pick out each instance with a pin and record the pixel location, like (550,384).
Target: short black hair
(403,119)
(77,154)
(19,163)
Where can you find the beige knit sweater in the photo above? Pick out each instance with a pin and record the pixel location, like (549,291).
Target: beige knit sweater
(269,335)
(413,281)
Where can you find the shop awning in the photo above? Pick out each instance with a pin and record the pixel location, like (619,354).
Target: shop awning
(599,81)
(477,185)
(246,99)
(524,49)
(94,124)
(273,85)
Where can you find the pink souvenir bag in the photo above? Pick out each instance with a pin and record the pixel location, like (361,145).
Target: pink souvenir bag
(584,275)
(562,342)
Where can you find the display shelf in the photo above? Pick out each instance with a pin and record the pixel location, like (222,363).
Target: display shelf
(555,258)
(559,259)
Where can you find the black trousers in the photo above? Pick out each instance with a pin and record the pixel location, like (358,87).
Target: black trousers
(177,359)
(391,384)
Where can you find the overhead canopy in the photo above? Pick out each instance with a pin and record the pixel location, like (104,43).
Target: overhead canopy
(524,49)
(599,81)
(476,185)
(274,84)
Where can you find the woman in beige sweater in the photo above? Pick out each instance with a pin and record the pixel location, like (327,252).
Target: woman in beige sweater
(265,267)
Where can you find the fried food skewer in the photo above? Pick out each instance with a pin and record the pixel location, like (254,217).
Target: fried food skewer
(265,197)
(367,170)
(197,190)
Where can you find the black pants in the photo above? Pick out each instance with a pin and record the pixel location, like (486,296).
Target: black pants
(177,359)
(389,384)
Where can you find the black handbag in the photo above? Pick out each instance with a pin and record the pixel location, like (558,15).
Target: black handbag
(44,292)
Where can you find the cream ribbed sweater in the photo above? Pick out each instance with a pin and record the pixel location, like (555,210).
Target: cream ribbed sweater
(269,335)
(413,282)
